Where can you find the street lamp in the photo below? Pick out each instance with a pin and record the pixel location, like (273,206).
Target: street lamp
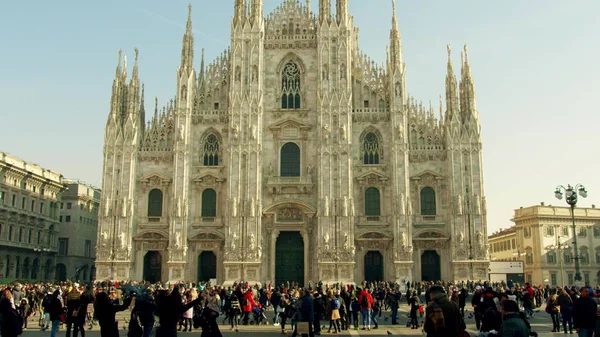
(571,199)
(41,250)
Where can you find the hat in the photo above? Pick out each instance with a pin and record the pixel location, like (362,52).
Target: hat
(478,288)
(510,306)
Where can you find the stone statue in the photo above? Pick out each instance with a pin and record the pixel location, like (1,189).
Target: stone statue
(233,240)
(325,73)
(234,208)
(398,89)
(343,71)
(252,207)
(345,206)
(104,237)
(326,206)
(236,130)
(326,239)
(122,240)
(309,171)
(254,132)
(343,132)
(178,207)
(484,205)
(326,131)
(259,252)
(346,242)
(409,207)
(107,207)
(459,205)
(181,133)
(124,208)
(461,237)
(400,131)
(479,238)
(252,242)
(402,204)
(270,170)
(177,240)
(403,241)
(352,213)
(477,205)
(254,73)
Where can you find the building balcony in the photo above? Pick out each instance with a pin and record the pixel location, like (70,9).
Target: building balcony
(290,185)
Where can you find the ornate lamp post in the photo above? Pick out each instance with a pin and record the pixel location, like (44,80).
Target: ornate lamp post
(41,249)
(560,247)
(571,199)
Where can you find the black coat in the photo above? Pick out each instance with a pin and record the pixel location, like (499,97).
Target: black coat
(208,322)
(11,321)
(584,313)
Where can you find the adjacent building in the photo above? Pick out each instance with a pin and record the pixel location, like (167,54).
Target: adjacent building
(503,245)
(544,241)
(78,231)
(293,157)
(30,199)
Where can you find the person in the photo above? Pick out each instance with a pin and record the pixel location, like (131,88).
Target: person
(366,305)
(442,317)
(584,314)
(305,314)
(56,310)
(235,311)
(566,309)
(552,309)
(24,312)
(208,322)
(106,312)
(170,308)
(144,310)
(514,323)
(414,307)
(393,299)
(11,322)
(333,310)
(73,306)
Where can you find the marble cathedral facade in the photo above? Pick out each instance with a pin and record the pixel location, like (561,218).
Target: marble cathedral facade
(293,156)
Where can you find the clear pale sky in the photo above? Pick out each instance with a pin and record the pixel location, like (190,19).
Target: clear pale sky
(535,65)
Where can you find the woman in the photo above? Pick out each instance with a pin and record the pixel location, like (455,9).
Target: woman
(106,312)
(84,300)
(56,311)
(11,324)
(333,308)
(188,314)
(565,303)
(235,310)
(208,322)
(552,309)
(169,309)
(414,307)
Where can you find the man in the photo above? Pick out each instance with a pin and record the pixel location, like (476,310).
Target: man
(306,313)
(442,317)
(393,298)
(366,305)
(584,314)
(476,302)
(514,323)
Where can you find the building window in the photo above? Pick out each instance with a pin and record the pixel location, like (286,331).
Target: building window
(528,278)
(155,203)
(14,200)
(568,258)
(209,203)
(69,205)
(366,104)
(20,234)
(549,230)
(529,256)
(41,208)
(565,231)
(33,205)
(10,233)
(551,258)
(68,218)
(2,196)
(428,201)
(597,231)
(513,244)
(88,248)
(527,232)
(372,202)
(371,149)
(39,237)
(290,160)
(586,277)
(63,246)
(553,279)
(23,203)
(584,255)
(290,87)
(598,255)
(60,218)
(29,236)
(211,151)
(570,278)
(582,231)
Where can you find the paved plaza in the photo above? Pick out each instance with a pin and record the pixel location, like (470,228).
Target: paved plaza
(540,323)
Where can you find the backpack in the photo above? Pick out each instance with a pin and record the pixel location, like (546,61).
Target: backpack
(365,301)
(336,303)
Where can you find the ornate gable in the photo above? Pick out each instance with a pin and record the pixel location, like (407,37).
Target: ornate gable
(374,236)
(371,177)
(155,180)
(427,177)
(289,128)
(203,236)
(208,179)
(431,235)
(151,236)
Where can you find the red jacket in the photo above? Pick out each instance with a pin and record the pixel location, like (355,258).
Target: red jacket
(369,299)
(249,297)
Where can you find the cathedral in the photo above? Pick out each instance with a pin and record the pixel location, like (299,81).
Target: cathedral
(293,156)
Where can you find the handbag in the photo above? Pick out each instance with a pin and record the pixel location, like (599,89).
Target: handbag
(62,317)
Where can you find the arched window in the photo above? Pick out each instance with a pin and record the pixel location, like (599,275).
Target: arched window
(372,202)
(371,149)
(155,203)
(290,86)
(428,201)
(290,160)
(551,257)
(211,151)
(209,203)
(528,255)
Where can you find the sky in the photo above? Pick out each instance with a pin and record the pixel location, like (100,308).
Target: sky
(535,65)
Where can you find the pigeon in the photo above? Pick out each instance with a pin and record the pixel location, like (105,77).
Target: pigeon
(389,333)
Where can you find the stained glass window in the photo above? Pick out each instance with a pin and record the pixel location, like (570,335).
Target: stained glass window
(211,151)
(290,160)
(372,202)
(209,203)
(155,202)
(371,149)
(290,87)
(428,201)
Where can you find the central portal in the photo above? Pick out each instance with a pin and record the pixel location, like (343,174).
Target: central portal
(289,258)
(431,269)
(152,266)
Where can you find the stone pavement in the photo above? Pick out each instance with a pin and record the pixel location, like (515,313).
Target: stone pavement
(541,323)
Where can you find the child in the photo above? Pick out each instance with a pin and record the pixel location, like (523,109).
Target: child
(24,312)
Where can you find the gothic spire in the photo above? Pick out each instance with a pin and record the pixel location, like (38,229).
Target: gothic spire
(142,108)
(187,48)
(451,94)
(256,11)
(324,10)
(135,75)
(395,40)
(341,11)
(467,86)
(239,11)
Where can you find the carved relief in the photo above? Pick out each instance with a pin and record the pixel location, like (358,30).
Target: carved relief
(289,214)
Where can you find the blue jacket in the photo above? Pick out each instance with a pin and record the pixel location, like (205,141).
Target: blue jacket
(307,309)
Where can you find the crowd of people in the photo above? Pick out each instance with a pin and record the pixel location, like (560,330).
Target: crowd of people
(439,308)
